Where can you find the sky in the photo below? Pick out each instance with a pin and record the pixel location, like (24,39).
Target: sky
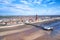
(29,7)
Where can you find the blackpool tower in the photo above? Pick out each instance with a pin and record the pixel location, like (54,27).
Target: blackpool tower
(36,18)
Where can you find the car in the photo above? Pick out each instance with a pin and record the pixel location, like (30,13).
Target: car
(47,27)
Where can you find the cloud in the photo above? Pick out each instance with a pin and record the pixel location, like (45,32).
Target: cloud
(38,1)
(48,3)
(52,3)
(23,1)
(5,1)
(26,8)
(16,9)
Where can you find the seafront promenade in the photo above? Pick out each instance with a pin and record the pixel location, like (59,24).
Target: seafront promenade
(7,26)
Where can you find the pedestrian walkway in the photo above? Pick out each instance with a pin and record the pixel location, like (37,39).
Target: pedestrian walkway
(11,26)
